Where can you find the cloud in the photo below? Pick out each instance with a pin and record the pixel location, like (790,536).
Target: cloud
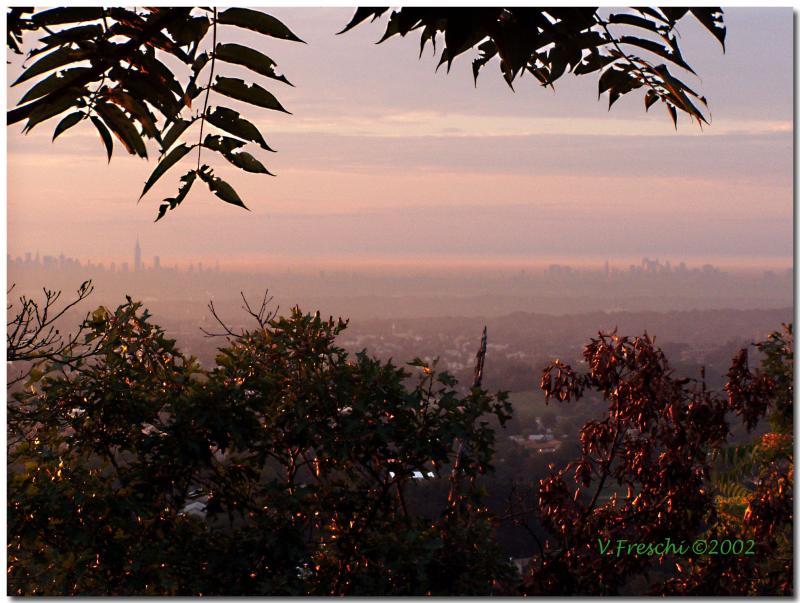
(414,124)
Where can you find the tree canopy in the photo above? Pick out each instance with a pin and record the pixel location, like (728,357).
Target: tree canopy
(156,76)
(649,470)
(293,467)
(286,469)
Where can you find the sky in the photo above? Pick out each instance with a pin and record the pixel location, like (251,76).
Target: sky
(386,161)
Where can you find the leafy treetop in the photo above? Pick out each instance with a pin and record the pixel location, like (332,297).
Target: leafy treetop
(287,469)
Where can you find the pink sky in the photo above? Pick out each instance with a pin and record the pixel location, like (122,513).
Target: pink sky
(383,158)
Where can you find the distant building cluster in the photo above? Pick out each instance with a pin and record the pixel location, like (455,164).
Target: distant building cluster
(646,267)
(63,262)
(651,284)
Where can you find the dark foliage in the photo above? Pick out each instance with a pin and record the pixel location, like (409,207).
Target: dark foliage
(756,491)
(282,471)
(293,467)
(643,475)
(140,74)
(629,50)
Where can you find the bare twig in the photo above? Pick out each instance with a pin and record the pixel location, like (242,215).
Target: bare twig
(262,316)
(32,335)
(480,357)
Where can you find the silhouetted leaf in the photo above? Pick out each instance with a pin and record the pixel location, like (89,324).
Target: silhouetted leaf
(105,136)
(189,30)
(173,202)
(712,20)
(592,62)
(548,42)
(223,144)
(678,93)
(69,14)
(200,62)
(57,58)
(252,59)
(55,104)
(177,128)
(158,74)
(65,36)
(635,21)
(362,14)
(257,21)
(611,77)
(230,121)
(141,87)
(392,26)
(53,83)
(558,64)
(252,93)
(220,188)
(134,25)
(674,13)
(245,161)
(123,128)
(655,13)
(16,24)
(488,50)
(167,162)
(138,111)
(673,113)
(229,148)
(659,49)
(650,98)
(66,123)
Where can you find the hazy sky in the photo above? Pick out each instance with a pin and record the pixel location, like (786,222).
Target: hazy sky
(384,158)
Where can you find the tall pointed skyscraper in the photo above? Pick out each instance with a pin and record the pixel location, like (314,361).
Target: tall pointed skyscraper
(137,256)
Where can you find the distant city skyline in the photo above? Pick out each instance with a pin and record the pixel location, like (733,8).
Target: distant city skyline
(551,266)
(361,291)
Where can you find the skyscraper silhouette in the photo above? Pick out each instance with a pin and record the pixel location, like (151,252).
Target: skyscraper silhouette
(137,256)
